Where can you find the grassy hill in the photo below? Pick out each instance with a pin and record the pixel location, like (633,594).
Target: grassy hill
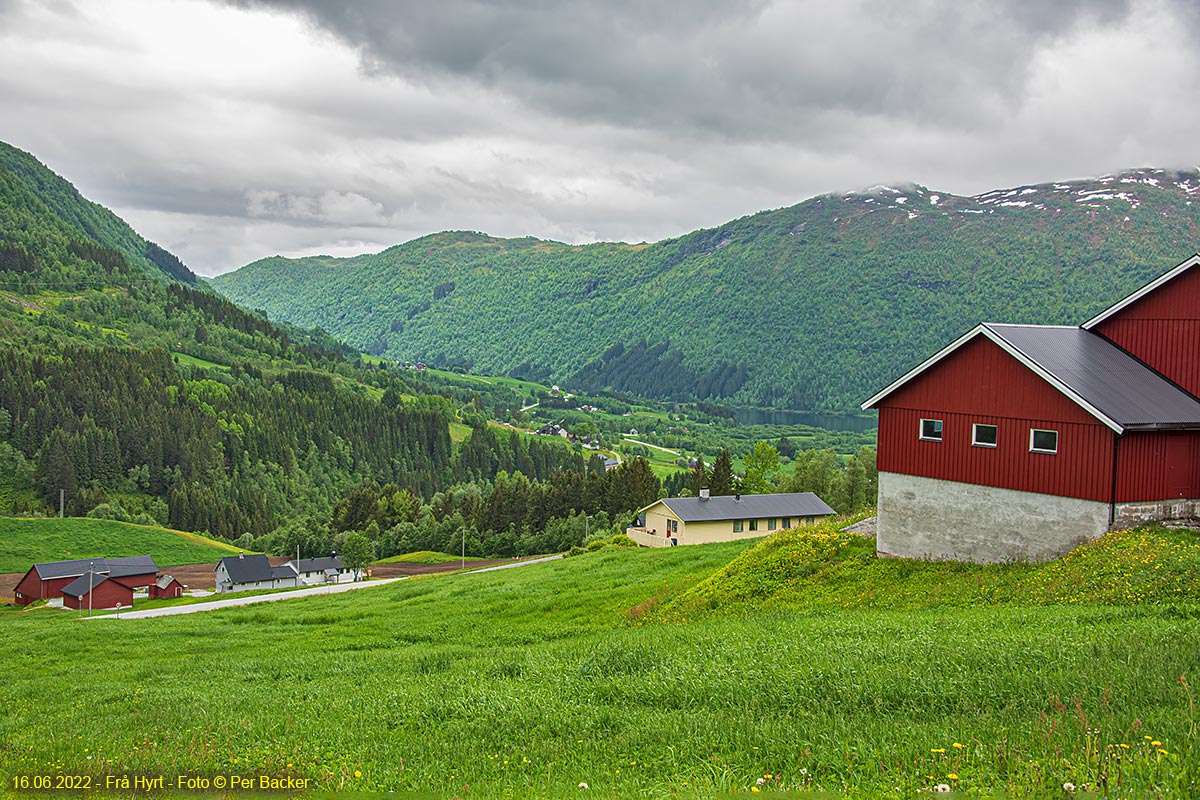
(811,307)
(24,542)
(527,683)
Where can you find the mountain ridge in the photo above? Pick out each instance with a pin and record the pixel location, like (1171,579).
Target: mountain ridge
(808,307)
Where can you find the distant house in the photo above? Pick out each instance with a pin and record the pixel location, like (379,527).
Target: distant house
(553,429)
(611,463)
(705,519)
(166,586)
(1018,442)
(97,591)
(314,571)
(242,573)
(48,579)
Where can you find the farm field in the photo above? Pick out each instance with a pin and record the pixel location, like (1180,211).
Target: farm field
(606,669)
(24,542)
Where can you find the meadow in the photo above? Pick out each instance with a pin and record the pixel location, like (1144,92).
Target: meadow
(24,542)
(614,670)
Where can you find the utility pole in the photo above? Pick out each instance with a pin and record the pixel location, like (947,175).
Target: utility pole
(91,573)
(61,494)
(463,565)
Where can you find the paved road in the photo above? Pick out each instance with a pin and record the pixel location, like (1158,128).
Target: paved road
(193,608)
(331,588)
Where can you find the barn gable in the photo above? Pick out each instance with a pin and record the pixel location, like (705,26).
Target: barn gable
(1160,325)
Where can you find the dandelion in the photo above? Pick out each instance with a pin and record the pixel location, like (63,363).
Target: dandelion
(1162,752)
(958,746)
(1156,743)
(938,750)
(952,776)
(755,789)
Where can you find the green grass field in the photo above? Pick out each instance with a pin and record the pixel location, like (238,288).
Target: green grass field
(24,542)
(423,557)
(612,669)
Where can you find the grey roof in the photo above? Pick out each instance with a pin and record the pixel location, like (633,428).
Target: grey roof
(286,571)
(80,586)
(49,570)
(1105,378)
(134,565)
(116,567)
(247,569)
(324,564)
(164,581)
(749,506)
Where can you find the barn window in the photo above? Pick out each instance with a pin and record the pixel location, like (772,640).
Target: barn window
(931,430)
(1043,441)
(983,435)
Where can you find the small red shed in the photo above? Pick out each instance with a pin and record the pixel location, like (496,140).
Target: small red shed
(1020,441)
(165,586)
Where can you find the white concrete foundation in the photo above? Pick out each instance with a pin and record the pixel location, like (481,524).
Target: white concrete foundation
(936,519)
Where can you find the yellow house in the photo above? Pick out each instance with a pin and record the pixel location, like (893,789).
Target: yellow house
(703,519)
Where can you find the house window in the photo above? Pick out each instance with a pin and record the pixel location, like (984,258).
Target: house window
(737,526)
(1043,441)
(771,524)
(787,523)
(983,435)
(931,430)
(753,524)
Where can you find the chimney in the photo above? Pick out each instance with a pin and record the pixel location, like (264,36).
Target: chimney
(737,498)
(704,493)
(241,554)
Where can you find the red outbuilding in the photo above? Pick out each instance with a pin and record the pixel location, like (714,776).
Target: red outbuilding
(1021,441)
(93,591)
(166,586)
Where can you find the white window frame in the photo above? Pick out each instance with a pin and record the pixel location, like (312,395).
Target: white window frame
(975,434)
(1033,432)
(921,430)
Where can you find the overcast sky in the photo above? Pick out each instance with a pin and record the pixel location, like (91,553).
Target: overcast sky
(232,130)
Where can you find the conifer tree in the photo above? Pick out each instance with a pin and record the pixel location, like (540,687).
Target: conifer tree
(722,480)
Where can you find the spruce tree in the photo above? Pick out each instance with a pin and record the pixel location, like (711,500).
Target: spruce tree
(721,482)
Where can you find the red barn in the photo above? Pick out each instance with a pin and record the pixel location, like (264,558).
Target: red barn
(1021,441)
(94,591)
(48,579)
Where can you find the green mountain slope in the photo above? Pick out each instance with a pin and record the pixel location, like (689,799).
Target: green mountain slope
(134,396)
(47,227)
(809,307)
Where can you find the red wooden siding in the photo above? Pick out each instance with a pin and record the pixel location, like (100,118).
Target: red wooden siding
(981,383)
(104,595)
(32,587)
(981,378)
(1163,329)
(1081,468)
(1170,346)
(1158,466)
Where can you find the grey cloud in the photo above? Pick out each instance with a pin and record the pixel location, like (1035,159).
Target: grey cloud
(745,69)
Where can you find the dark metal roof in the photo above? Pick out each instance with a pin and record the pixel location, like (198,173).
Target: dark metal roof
(286,571)
(1103,376)
(49,570)
(247,569)
(134,565)
(748,506)
(321,564)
